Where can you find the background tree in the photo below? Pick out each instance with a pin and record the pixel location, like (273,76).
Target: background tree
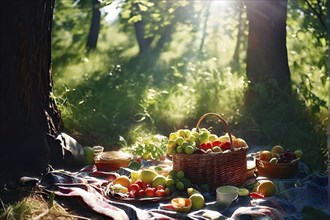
(274,107)
(140,32)
(267,57)
(28,113)
(267,67)
(95,25)
(154,22)
(70,31)
(112,92)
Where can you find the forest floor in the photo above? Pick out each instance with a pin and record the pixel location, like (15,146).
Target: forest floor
(38,206)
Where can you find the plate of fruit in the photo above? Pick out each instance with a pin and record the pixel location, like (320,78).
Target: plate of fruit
(145,185)
(278,162)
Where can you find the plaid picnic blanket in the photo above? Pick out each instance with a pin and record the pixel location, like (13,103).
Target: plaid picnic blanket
(292,200)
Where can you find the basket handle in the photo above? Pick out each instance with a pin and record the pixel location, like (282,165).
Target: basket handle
(221,119)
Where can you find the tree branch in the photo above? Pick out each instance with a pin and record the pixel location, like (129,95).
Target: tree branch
(207,13)
(318,14)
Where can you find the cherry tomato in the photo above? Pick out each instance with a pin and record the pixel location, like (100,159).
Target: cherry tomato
(160,187)
(134,187)
(140,183)
(145,185)
(160,193)
(132,194)
(150,191)
(141,193)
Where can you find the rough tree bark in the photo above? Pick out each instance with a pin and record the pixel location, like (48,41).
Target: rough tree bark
(28,113)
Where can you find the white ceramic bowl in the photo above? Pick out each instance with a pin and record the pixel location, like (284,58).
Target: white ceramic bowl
(226,195)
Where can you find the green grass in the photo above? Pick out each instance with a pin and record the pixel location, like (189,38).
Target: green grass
(111,93)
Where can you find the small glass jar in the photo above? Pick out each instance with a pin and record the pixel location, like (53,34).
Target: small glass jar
(97,150)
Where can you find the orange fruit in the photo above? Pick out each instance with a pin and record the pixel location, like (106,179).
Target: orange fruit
(266,188)
(122,180)
(239,143)
(181,204)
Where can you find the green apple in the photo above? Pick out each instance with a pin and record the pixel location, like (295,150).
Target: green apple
(89,155)
(243,192)
(159,180)
(198,201)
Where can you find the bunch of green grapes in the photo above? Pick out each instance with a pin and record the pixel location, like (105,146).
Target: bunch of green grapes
(176,181)
(187,141)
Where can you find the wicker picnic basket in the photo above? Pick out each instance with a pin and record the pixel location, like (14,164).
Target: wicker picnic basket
(215,169)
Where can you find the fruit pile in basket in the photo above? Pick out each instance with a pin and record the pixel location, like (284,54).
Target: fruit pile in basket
(201,141)
(278,162)
(279,155)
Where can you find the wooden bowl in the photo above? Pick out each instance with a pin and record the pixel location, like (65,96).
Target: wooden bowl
(276,170)
(112,160)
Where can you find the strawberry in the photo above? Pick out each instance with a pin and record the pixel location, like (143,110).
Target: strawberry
(216,143)
(225,146)
(206,145)
(209,144)
(203,146)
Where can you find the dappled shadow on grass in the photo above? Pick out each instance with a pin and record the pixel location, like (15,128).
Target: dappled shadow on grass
(286,121)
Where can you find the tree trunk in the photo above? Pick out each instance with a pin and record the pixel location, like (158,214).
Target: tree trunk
(207,14)
(267,53)
(268,71)
(235,63)
(95,26)
(144,43)
(27,111)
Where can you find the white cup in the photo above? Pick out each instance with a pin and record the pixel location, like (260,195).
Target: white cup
(225,195)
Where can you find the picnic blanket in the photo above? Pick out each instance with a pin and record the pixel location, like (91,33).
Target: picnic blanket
(294,198)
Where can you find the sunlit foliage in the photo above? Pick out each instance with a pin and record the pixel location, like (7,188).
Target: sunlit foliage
(194,64)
